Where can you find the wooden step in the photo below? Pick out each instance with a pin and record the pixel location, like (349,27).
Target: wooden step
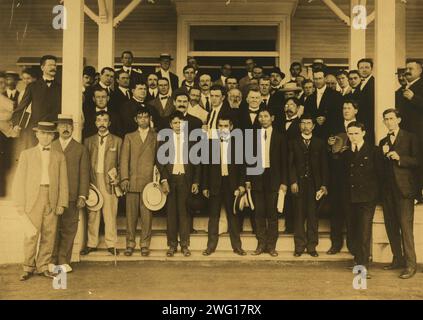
(196,255)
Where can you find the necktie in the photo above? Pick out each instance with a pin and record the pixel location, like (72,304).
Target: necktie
(391,137)
(254,111)
(46,149)
(207,104)
(265,135)
(265,102)
(164,98)
(307,142)
(212,118)
(102,139)
(128,95)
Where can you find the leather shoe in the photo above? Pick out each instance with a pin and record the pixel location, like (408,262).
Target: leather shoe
(240,252)
(128,252)
(145,252)
(408,273)
(258,251)
(207,252)
(393,266)
(273,253)
(171,252)
(185,251)
(25,276)
(314,254)
(112,251)
(298,254)
(47,274)
(333,251)
(87,250)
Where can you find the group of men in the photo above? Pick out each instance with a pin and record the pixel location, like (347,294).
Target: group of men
(314,140)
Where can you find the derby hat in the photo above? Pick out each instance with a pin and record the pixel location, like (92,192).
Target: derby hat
(278,71)
(45,127)
(95,199)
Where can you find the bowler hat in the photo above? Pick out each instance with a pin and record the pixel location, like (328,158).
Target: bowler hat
(290,86)
(278,71)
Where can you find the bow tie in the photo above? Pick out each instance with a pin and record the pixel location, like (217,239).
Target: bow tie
(49,81)
(391,134)
(289,120)
(164,98)
(46,149)
(253,111)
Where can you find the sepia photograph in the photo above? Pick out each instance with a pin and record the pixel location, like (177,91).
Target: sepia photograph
(207,158)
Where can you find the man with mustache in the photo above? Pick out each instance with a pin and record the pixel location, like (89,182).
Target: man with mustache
(205,84)
(43,97)
(78,168)
(104,151)
(409,101)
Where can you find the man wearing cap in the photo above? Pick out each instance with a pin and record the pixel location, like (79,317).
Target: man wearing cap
(40,192)
(276,77)
(88,76)
(220,181)
(104,151)
(78,167)
(42,100)
(164,72)
(137,161)
(296,69)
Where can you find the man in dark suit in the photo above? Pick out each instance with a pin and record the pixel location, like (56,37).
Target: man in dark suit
(137,161)
(221,180)
(163,104)
(11,92)
(189,81)
(122,93)
(164,71)
(276,77)
(337,196)
(400,151)
(181,103)
(308,178)
(367,97)
(245,81)
(218,108)
(42,99)
(78,168)
(268,100)
(249,112)
(100,103)
(131,108)
(354,80)
(225,72)
(362,181)
(272,151)
(152,84)
(409,101)
(179,178)
(324,105)
(107,77)
(135,74)
(308,90)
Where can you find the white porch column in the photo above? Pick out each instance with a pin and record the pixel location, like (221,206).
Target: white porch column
(73,56)
(357,38)
(385,61)
(106,37)
(400,34)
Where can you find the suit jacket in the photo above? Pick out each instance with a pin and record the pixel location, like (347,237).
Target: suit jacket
(150,97)
(46,102)
(14,97)
(163,120)
(278,163)
(90,128)
(89,94)
(225,110)
(193,122)
(78,168)
(293,131)
(118,100)
(174,80)
(405,170)
(137,159)
(276,101)
(330,107)
(412,110)
(212,175)
(129,111)
(192,172)
(366,113)
(26,183)
(184,87)
(245,119)
(111,157)
(317,154)
(362,174)
(136,76)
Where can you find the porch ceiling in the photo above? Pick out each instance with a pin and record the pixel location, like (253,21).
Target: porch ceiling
(235,7)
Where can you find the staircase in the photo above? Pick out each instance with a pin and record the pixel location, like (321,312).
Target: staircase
(198,242)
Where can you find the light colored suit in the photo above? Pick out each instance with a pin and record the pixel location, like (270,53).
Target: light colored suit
(40,203)
(101,181)
(136,165)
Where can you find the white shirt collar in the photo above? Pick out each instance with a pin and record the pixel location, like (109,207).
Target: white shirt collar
(306,137)
(321,90)
(396,132)
(358,146)
(103,85)
(294,117)
(64,142)
(412,82)
(347,122)
(124,90)
(41,147)
(164,73)
(217,108)
(364,81)
(250,75)
(137,100)
(97,109)
(266,97)
(11,91)
(104,135)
